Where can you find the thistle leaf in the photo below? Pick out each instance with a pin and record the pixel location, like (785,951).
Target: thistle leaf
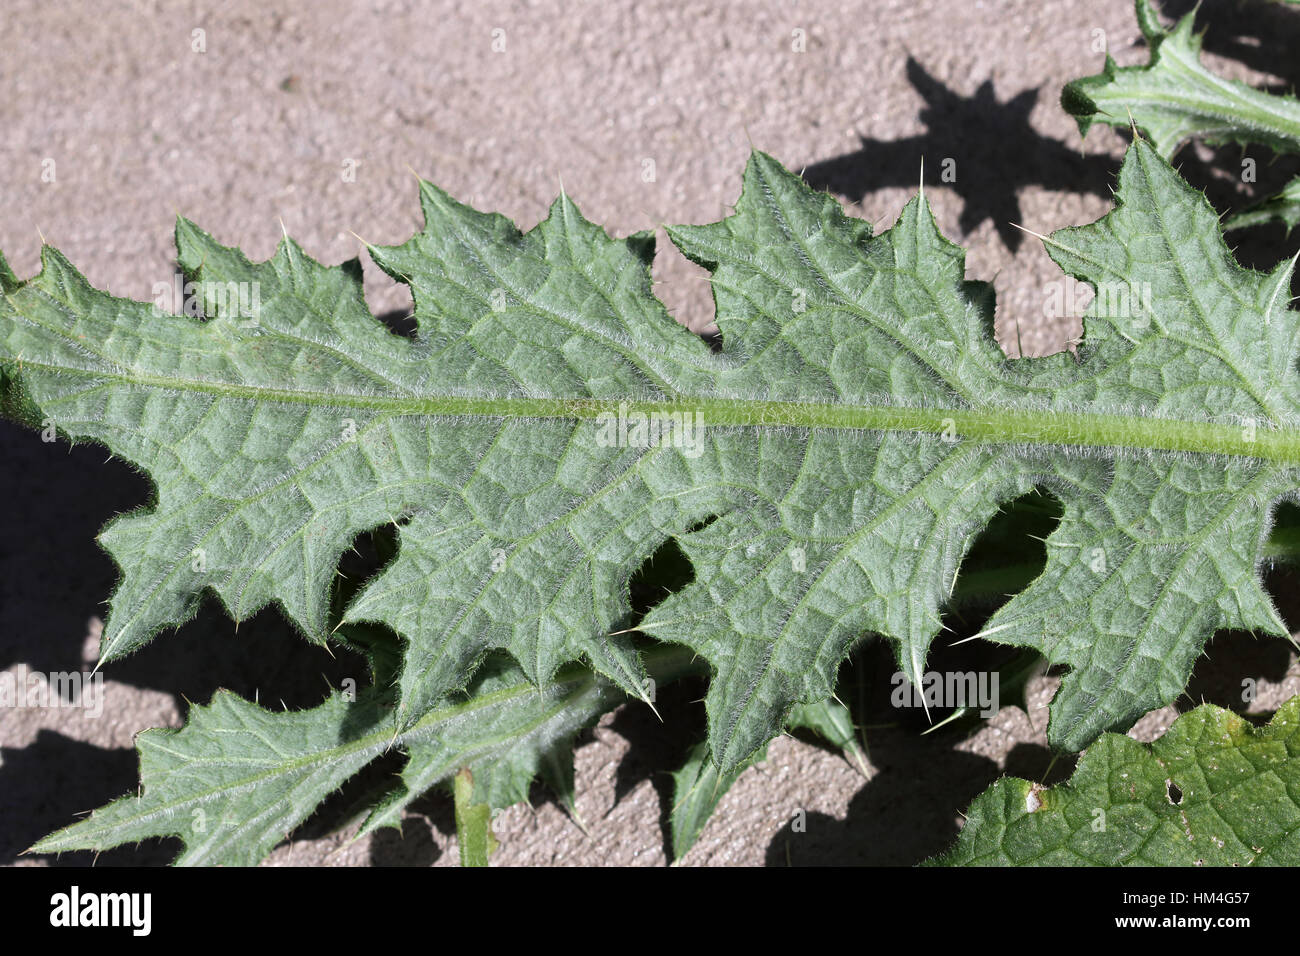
(1174,98)
(236,779)
(549,427)
(507,730)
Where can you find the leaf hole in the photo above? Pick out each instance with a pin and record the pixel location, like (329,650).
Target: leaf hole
(702,524)
(665,572)
(390,301)
(683,287)
(1006,556)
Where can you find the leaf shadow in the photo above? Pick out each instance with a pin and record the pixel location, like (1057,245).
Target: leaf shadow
(994,149)
(922,779)
(658,745)
(54,578)
(895,819)
(1262,36)
(54,780)
(1235,662)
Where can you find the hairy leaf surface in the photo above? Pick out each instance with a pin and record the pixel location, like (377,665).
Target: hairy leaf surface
(825,472)
(1175,98)
(237,778)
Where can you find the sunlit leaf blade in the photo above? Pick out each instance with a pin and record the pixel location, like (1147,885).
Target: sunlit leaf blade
(1179,334)
(824,473)
(1175,98)
(506,731)
(236,779)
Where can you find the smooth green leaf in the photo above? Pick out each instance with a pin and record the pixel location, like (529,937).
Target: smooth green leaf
(1212,791)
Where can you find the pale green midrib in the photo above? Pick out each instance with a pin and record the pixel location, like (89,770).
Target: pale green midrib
(1232,117)
(1016,426)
